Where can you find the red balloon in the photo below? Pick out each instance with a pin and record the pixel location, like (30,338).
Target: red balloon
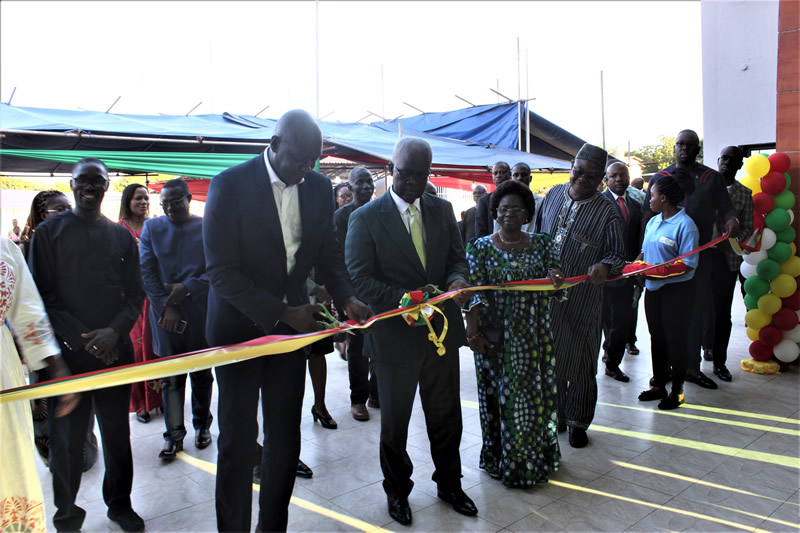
(779,162)
(758,221)
(763,203)
(773,183)
(770,335)
(760,351)
(785,319)
(793,301)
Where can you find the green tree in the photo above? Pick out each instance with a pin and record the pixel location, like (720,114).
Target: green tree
(658,156)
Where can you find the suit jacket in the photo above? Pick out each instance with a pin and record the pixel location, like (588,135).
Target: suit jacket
(631,230)
(468,225)
(384,265)
(483,219)
(246,257)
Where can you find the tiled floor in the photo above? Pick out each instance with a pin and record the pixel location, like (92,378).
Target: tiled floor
(734,466)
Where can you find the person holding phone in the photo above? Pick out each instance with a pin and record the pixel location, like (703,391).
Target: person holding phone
(174,277)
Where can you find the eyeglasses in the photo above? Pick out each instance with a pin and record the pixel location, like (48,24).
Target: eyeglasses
(346,196)
(419,175)
(511,211)
(59,209)
(173,203)
(98,182)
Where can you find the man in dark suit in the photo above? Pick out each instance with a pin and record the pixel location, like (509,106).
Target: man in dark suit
(618,295)
(467,224)
(267,222)
(403,241)
(484,224)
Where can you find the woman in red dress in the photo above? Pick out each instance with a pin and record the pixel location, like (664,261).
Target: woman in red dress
(145,395)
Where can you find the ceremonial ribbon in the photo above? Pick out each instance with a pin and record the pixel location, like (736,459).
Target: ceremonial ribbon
(271,344)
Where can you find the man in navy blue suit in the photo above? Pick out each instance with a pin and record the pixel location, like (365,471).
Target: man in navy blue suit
(618,295)
(267,222)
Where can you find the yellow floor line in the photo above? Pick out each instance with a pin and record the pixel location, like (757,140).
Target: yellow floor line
(655,506)
(755,515)
(696,481)
(737,423)
(764,457)
(469,404)
(211,468)
(741,413)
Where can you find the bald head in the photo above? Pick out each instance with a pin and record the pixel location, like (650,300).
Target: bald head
(295,146)
(637,183)
(618,178)
(410,167)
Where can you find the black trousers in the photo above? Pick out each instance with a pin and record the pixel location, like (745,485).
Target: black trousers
(67,438)
(439,382)
(723,287)
(173,394)
(363,383)
(281,381)
(631,337)
(668,323)
(696,307)
(617,311)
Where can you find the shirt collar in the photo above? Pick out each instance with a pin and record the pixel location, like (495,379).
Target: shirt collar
(273,176)
(615,195)
(401,204)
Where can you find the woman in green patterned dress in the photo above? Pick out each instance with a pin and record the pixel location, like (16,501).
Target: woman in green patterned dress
(510,333)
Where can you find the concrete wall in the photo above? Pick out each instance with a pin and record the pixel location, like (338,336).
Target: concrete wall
(740,65)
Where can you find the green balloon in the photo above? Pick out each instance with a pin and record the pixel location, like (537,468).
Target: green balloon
(785,200)
(779,252)
(750,302)
(755,287)
(768,269)
(788,179)
(777,219)
(786,235)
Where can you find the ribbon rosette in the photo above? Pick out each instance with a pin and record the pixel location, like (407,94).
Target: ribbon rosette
(420,314)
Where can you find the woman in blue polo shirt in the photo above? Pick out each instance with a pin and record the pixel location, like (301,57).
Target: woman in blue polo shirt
(669,234)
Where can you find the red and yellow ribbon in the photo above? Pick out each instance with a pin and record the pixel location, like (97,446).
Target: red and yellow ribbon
(270,344)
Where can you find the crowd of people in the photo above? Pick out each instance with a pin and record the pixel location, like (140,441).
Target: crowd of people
(276,240)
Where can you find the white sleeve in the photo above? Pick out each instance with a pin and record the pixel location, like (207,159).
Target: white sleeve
(27,318)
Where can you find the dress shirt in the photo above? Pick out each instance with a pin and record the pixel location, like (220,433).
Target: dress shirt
(402,207)
(626,217)
(287,202)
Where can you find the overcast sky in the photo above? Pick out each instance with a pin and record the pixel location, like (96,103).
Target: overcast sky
(165,57)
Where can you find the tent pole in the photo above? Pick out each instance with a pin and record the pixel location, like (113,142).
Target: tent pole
(519,99)
(527,111)
(316,53)
(602,111)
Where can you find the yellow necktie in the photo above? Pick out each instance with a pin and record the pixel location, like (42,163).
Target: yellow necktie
(416,233)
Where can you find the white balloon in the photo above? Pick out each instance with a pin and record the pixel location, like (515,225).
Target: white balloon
(755,258)
(791,216)
(748,270)
(786,351)
(768,239)
(793,334)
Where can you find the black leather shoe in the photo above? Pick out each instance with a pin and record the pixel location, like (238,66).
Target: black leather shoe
(708,354)
(143,416)
(617,374)
(171,449)
(327,423)
(399,509)
(701,380)
(202,438)
(723,373)
(656,393)
(127,520)
(303,470)
(459,500)
(373,402)
(632,349)
(577,437)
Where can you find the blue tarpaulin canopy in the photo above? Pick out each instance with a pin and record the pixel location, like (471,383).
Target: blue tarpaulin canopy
(498,124)
(56,129)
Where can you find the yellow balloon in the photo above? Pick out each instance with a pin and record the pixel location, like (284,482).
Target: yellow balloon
(793,248)
(782,286)
(769,304)
(754,184)
(791,266)
(752,334)
(757,319)
(757,165)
